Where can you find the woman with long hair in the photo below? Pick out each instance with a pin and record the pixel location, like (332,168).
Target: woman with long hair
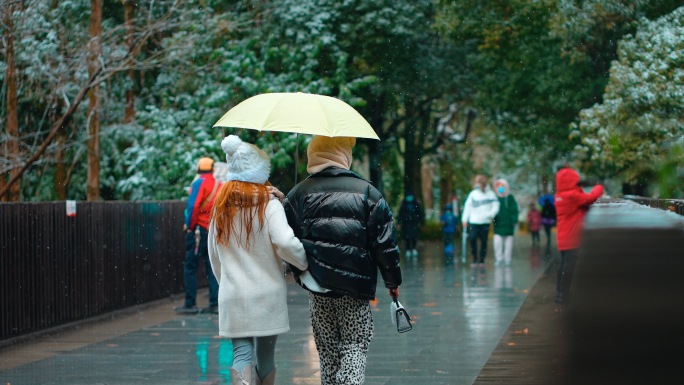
(248,239)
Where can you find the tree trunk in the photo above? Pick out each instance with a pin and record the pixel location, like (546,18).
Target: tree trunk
(95,47)
(375,148)
(11,151)
(445,186)
(61,122)
(60,180)
(412,172)
(545,184)
(426,171)
(129,14)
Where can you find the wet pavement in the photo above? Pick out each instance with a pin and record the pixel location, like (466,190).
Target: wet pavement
(460,314)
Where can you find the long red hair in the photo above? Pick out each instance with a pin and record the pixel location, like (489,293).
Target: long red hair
(239,197)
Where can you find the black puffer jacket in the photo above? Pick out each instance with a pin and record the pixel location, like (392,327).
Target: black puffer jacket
(347,231)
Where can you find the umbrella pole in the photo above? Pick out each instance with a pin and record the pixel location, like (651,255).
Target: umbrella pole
(464,242)
(296,157)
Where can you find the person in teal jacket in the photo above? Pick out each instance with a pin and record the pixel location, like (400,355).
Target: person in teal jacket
(504,223)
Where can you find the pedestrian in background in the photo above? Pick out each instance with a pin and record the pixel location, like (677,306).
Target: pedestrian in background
(347,229)
(572,204)
(448,222)
(480,208)
(411,219)
(203,192)
(248,239)
(534,219)
(505,222)
(548,214)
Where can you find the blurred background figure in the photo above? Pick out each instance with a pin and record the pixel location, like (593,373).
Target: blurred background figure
(572,203)
(480,208)
(221,171)
(548,215)
(203,191)
(534,223)
(505,222)
(448,221)
(411,219)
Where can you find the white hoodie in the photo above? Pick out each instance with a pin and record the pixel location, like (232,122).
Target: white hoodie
(480,207)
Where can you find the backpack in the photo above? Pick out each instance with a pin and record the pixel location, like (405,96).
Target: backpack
(549,210)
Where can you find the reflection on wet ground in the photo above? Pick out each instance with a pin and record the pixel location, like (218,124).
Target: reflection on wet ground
(460,314)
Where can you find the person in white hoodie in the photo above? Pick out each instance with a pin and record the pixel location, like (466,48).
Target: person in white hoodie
(248,238)
(480,208)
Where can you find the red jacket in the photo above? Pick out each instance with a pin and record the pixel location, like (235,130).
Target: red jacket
(534,220)
(572,204)
(197,212)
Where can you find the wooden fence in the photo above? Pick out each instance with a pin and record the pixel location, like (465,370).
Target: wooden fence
(56,269)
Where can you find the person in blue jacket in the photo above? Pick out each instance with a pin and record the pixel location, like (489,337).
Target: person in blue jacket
(449,222)
(197,216)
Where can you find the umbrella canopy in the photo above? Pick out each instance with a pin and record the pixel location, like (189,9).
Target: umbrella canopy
(298,113)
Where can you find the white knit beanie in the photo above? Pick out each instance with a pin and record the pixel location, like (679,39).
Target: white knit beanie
(246,162)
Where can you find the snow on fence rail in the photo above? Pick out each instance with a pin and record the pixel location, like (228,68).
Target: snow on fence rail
(674,205)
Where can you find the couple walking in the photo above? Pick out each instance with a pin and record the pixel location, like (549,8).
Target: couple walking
(484,206)
(334,229)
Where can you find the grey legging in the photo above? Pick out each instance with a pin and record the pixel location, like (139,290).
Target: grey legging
(244,350)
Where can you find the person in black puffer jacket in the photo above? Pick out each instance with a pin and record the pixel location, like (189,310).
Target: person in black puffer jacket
(348,233)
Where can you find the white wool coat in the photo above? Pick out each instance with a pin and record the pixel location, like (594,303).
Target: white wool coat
(252,287)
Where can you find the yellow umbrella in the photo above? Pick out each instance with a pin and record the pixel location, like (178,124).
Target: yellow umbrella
(300,113)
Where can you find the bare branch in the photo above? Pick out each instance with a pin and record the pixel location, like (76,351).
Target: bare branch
(55,129)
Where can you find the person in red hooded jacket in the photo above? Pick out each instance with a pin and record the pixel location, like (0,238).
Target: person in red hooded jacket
(572,204)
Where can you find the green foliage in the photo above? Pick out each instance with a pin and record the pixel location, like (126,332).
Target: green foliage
(640,119)
(528,92)
(527,66)
(671,173)
(591,29)
(431,231)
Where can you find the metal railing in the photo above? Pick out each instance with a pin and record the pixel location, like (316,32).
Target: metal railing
(56,269)
(674,205)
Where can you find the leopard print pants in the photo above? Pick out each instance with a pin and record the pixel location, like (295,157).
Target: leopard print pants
(343,329)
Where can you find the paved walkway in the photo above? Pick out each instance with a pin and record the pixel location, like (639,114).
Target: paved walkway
(461,315)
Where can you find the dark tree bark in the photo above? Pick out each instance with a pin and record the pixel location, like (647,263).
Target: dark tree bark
(412,153)
(97,74)
(375,148)
(53,132)
(11,150)
(129,15)
(95,48)
(60,181)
